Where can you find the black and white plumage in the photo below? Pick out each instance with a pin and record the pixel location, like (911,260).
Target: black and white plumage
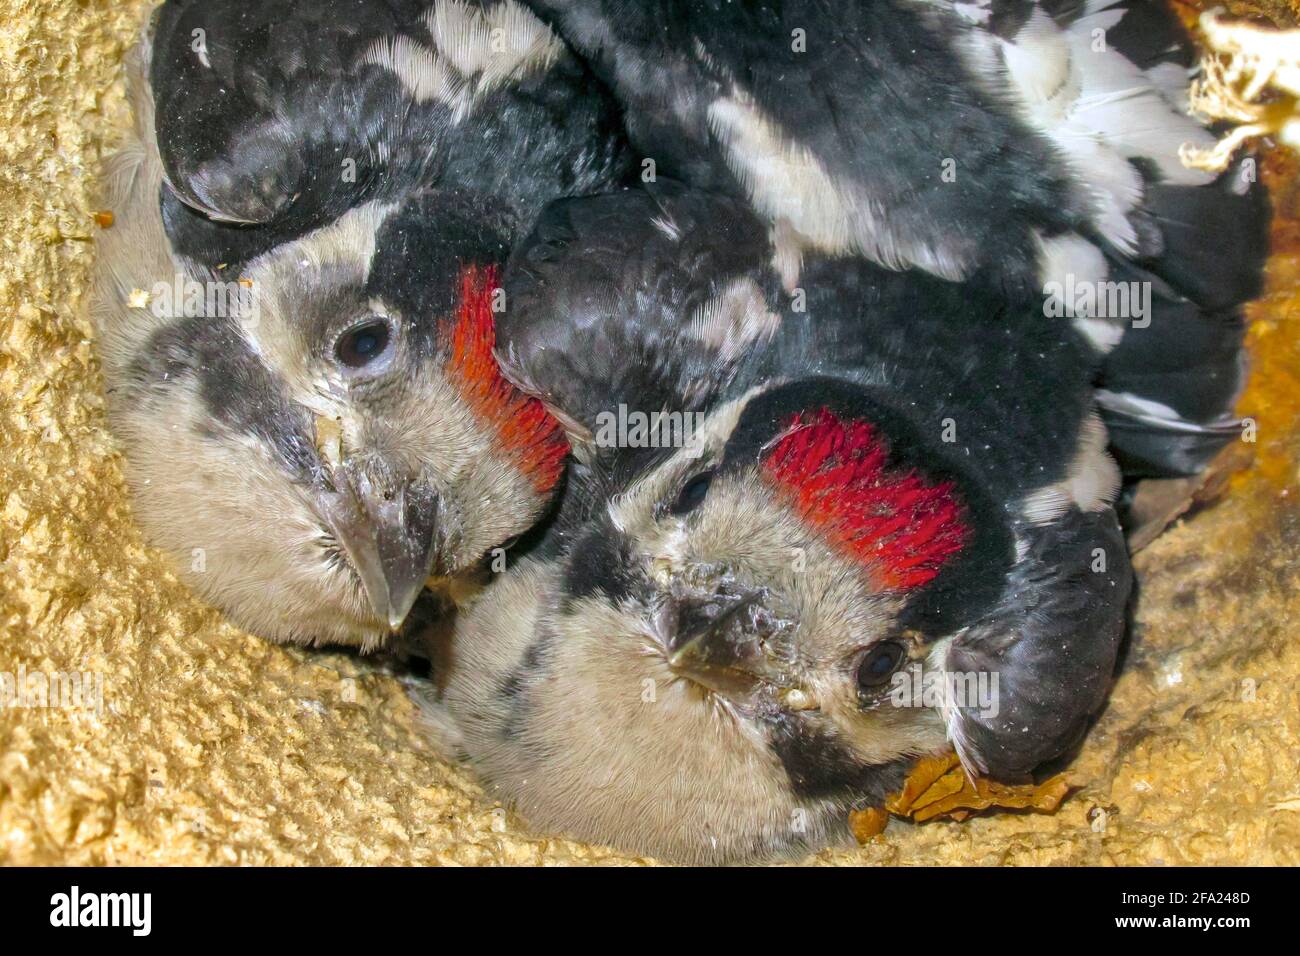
(1033,144)
(697,662)
(329,429)
(285,115)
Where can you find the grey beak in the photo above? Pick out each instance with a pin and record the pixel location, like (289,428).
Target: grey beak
(716,639)
(390,536)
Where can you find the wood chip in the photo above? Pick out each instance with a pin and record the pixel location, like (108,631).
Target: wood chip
(868,824)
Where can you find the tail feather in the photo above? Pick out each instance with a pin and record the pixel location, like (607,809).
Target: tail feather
(1215,243)
(1148,441)
(1167,391)
(1195,246)
(1169,388)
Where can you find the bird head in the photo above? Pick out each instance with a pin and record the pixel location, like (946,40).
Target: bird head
(313,460)
(734,621)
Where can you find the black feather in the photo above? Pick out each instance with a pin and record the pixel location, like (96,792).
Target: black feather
(268,115)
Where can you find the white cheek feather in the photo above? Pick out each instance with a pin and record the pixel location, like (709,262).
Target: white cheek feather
(633,507)
(276,276)
(672,548)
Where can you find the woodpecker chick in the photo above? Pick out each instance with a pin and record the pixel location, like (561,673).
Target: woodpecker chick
(301,374)
(1031,145)
(709,656)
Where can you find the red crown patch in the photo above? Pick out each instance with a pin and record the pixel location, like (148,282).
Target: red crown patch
(836,475)
(527,432)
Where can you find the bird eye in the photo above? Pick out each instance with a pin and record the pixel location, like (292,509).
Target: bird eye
(879,664)
(362,344)
(693,493)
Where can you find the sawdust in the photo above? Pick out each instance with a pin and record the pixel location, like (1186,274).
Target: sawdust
(213,747)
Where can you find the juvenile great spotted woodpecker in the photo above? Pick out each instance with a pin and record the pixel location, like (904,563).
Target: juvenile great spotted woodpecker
(329,432)
(1032,145)
(881,534)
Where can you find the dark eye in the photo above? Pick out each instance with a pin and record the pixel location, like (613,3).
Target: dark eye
(693,493)
(360,345)
(879,664)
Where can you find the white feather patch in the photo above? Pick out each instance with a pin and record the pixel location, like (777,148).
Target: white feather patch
(1091,484)
(786,181)
(277,278)
(1065,259)
(734,320)
(1159,414)
(1066,265)
(472,51)
(951,711)
(1101,111)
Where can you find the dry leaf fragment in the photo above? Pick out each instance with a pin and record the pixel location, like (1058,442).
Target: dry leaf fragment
(939,787)
(982,795)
